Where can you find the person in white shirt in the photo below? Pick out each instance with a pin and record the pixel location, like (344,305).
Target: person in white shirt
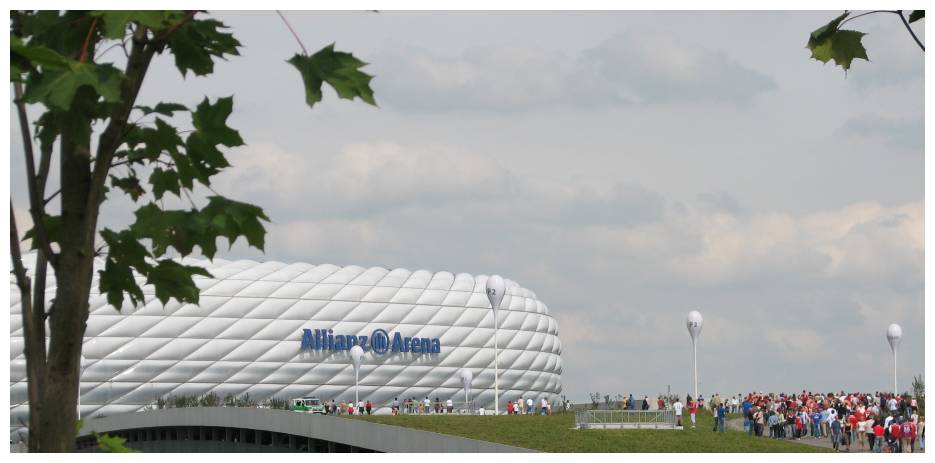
(449,406)
(678,412)
(428,405)
(529,409)
(545,406)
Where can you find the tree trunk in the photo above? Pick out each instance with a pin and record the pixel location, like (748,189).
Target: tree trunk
(69,314)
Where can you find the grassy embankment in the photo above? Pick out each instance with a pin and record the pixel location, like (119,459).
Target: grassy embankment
(555,434)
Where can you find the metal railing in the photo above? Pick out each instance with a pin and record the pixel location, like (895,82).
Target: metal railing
(625,419)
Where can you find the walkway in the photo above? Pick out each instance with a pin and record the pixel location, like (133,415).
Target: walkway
(737,424)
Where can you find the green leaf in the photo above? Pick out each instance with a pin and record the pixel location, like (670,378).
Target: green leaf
(339,69)
(232,219)
(130,185)
(56,89)
(825,32)
(163,181)
(114,280)
(45,57)
(916,15)
(115,22)
(112,444)
(195,43)
(124,253)
(843,47)
(166,109)
(53,229)
(174,280)
(182,230)
(211,121)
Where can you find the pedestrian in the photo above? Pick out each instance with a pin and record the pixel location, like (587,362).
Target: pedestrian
(678,412)
(450,406)
(369,406)
(721,415)
(529,407)
(396,406)
(920,433)
(905,436)
(692,410)
(360,407)
(895,433)
(835,426)
(544,407)
(878,434)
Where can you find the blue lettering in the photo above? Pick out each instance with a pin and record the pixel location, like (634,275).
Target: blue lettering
(397,343)
(307,342)
(379,342)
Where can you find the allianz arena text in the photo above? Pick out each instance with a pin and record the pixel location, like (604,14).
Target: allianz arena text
(277,330)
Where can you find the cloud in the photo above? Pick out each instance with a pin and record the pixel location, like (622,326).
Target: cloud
(655,68)
(363,179)
(631,68)
(897,132)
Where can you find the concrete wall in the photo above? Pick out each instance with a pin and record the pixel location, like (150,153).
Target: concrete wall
(345,433)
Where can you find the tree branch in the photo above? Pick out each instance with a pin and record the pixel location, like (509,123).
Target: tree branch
(33,334)
(865,14)
(87,41)
(911,32)
(297,39)
(141,55)
(36,205)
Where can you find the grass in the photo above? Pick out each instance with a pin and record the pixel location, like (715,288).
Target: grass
(555,434)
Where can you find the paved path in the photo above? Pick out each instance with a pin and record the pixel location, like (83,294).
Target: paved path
(737,424)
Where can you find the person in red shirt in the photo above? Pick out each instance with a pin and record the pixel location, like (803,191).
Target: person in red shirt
(912,436)
(692,410)
(905,436)
(877,443)
(895,434)
(852,419)
(509,408)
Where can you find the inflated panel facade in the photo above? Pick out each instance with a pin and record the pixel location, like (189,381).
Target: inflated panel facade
(245,336)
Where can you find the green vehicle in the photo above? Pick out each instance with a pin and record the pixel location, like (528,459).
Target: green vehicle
(308,405)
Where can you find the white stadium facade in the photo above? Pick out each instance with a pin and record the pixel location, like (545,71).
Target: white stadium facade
(277,330)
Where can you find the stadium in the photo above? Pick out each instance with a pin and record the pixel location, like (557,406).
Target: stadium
(276,330)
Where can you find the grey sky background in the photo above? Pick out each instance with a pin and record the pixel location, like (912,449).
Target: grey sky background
(628,167)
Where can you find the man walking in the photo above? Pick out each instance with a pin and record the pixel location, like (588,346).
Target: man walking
(678,412)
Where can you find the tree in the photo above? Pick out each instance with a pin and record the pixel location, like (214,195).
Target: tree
(57,61)
(830,42)
(918,391)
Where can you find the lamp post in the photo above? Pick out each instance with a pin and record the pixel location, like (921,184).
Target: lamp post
(694,324)
(894,334)
(495,290)
(466,378)
(357,354)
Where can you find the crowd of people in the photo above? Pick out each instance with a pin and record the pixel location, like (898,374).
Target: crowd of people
(879,422)
(413,406)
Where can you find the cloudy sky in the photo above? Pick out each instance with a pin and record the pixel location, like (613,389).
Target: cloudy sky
(627,167)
